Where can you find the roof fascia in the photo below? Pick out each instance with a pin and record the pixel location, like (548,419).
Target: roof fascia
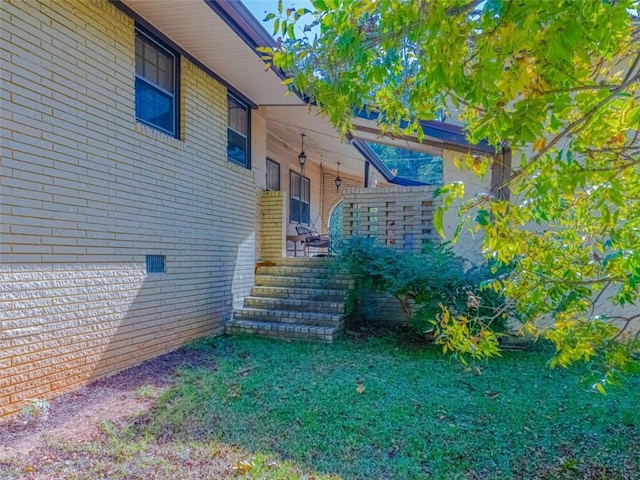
(250,30)
(450,135)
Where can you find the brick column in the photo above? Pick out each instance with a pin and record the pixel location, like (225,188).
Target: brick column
(273,212)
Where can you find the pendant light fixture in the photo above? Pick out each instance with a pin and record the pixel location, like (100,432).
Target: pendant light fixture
(302,158)
(338,180)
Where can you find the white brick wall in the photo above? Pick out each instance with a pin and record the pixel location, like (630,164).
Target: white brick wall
(86,193)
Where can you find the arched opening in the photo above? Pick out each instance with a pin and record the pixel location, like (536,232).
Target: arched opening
(335,227)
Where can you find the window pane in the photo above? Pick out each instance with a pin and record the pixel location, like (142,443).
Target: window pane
(237,115)
(139,56)
(155,84)
(306,187)
(273,175)
(299,198)
(236,147)
(154,106)
(294,210)
(295,185)
(154,64)
(165,71)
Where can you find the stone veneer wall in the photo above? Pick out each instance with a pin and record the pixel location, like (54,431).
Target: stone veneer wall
(87,193)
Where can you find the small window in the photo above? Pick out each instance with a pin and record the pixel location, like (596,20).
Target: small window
(156,80)
(299,199)
(155,263)
(238,131)
(273,175)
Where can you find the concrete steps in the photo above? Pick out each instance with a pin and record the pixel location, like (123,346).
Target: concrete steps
(297,299)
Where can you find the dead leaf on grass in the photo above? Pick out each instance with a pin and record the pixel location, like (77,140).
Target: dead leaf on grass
(244,466)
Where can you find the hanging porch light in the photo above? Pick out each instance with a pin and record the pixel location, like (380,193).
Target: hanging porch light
(302,157)
(338,180)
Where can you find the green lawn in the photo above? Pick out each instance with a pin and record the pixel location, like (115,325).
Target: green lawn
(375,409)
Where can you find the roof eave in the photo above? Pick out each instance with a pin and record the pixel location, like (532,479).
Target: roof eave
(448,134)
(250,30)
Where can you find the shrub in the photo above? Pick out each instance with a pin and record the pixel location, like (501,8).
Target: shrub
(424,283)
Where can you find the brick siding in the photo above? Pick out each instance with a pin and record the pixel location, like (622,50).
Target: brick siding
(87,192)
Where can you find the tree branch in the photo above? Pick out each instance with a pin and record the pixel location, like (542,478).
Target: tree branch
(571,128)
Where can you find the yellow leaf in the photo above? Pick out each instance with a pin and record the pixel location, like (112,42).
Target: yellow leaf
(243,466)
(539,144)
(360,388)
(477,165)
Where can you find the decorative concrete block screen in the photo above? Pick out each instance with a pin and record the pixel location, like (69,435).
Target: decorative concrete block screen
(400,217)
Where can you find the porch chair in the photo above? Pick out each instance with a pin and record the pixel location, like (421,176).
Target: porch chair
(312,239)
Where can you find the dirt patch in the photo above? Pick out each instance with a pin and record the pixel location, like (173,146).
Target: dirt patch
(77,416)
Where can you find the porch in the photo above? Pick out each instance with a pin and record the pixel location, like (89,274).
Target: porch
(304,297)
(399,217)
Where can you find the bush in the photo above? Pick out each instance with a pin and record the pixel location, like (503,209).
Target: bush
(425,283)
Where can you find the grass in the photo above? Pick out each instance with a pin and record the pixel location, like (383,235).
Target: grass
(373,409)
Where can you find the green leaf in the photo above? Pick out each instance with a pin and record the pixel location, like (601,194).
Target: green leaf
(483,217)
(438,221)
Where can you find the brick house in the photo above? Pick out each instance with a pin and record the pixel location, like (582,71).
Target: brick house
(138,139)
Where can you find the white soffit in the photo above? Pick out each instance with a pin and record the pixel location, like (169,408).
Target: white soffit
(196,28)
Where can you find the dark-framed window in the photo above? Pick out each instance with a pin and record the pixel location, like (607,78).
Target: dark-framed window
(273,175)
(238,127)
(299,198)
(156,84)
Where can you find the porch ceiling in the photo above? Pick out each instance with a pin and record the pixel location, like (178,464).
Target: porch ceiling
(321,144)
(196,28)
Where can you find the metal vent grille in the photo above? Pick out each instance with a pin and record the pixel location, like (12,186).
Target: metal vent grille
(155,263)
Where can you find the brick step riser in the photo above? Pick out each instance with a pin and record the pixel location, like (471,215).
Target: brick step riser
(291,318)
(293,282)
(294,305)
(299,294)
(267,330)
(300,272)
(306,262)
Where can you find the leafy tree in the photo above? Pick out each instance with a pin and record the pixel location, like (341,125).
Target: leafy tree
(557,81)
(409,163)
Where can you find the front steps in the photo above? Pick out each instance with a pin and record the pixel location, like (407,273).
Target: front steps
(299,298)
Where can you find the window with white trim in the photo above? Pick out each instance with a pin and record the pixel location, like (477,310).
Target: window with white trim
(156,84)
(238,131)
(299,199)
(273,175)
